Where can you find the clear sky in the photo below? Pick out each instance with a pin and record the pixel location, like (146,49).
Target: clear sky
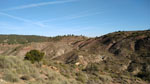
(79,17)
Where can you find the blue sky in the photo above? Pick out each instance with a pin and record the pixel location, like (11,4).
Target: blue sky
(80,17)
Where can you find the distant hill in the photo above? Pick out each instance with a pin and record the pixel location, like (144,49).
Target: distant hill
(14,39)
(22,39)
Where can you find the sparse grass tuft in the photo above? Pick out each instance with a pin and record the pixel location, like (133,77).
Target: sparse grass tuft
(10,76)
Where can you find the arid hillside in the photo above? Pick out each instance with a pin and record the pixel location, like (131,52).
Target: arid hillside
(121,57)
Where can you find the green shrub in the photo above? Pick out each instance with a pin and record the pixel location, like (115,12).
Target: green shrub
(34,56)
(144,75)
(93,67)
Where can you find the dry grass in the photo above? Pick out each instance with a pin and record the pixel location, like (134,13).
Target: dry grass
(17,70)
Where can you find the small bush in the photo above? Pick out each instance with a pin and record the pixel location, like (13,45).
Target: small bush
(144,75)
(93,67)
(25,77)
(34,56)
